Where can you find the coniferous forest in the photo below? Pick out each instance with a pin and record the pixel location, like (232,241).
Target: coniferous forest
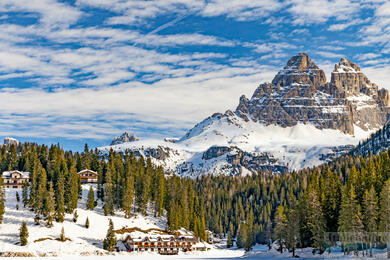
(349,196)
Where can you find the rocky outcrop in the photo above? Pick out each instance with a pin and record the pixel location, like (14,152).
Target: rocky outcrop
(124,138)
(299,93)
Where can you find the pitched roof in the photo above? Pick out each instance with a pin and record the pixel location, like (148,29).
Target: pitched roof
(86,170)
(7,174)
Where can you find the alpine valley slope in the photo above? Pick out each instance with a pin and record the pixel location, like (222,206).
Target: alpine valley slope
(298,120)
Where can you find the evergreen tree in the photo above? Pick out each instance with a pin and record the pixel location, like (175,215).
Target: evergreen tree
(242,236)
(280,227)
(75,216)
(25,194)
(316,221)
(350,220)
(23,234)
(384,211)
(50,206)
(2,200)
(128,195)
(230,234)
(62,237)
(292,229)
(87,223)
(110,241)
(91,199)
(370,213)
(60,202)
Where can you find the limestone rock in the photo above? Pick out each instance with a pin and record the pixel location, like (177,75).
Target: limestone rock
(124,138)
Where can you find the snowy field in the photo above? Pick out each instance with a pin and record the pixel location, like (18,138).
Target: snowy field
(83,242)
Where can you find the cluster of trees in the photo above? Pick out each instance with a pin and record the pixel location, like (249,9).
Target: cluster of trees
(350,194)
(297,209)
(125,182)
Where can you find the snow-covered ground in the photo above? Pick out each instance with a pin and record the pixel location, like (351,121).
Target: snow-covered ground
(83,242)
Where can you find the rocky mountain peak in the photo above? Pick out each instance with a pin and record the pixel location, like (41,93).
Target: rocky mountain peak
(299,93)
(350,81)
(300,62)
(300,69)
(346,66)
(124,138)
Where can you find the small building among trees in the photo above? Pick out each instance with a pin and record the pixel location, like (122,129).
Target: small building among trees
(88,176)
(15,179)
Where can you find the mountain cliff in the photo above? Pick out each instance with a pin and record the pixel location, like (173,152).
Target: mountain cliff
(297,120)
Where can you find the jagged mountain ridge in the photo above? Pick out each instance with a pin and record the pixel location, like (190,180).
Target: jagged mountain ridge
(297,120)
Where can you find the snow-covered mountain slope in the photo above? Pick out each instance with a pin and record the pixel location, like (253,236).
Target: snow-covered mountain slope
(82,241)
(376,143)
(298,120)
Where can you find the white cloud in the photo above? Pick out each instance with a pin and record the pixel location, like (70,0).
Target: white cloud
(319,11)
(164,104)
(51,13)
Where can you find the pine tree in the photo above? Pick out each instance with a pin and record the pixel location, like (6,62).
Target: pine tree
(73,189)
(350,215)
(292,229)
(91,199)
(50,206)
(75,216)
(23,234)
(230,234)
(87,223)
(62,237)
(316,221)
(128,195)
(384,211)
(2,200)
(280,227)
(370,213)
(110,241)
(25,194)
(242,236)
(60,203)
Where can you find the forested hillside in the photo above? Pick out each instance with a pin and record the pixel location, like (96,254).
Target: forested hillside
(349,195)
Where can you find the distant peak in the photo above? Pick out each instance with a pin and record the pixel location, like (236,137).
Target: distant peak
(301,61)
(300,69)
(345,66)
(124,138)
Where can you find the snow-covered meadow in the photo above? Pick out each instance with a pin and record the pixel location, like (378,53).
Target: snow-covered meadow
(83,242)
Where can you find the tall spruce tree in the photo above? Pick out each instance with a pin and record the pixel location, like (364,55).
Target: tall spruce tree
(292,229)
(370,213)
(384,211)
(280,227)
(23,234)
(50,206)
(91,199)
(60,202)
(110,241)
(128,195)
(2,200)
(316,221)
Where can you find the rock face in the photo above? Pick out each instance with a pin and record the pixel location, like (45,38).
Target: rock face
(10,140)
(299,93)
(124,138)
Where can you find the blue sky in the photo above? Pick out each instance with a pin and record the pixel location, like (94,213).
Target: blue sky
(87,70)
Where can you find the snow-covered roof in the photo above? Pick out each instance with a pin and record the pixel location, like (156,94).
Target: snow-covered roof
(87,170)
(7,174)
